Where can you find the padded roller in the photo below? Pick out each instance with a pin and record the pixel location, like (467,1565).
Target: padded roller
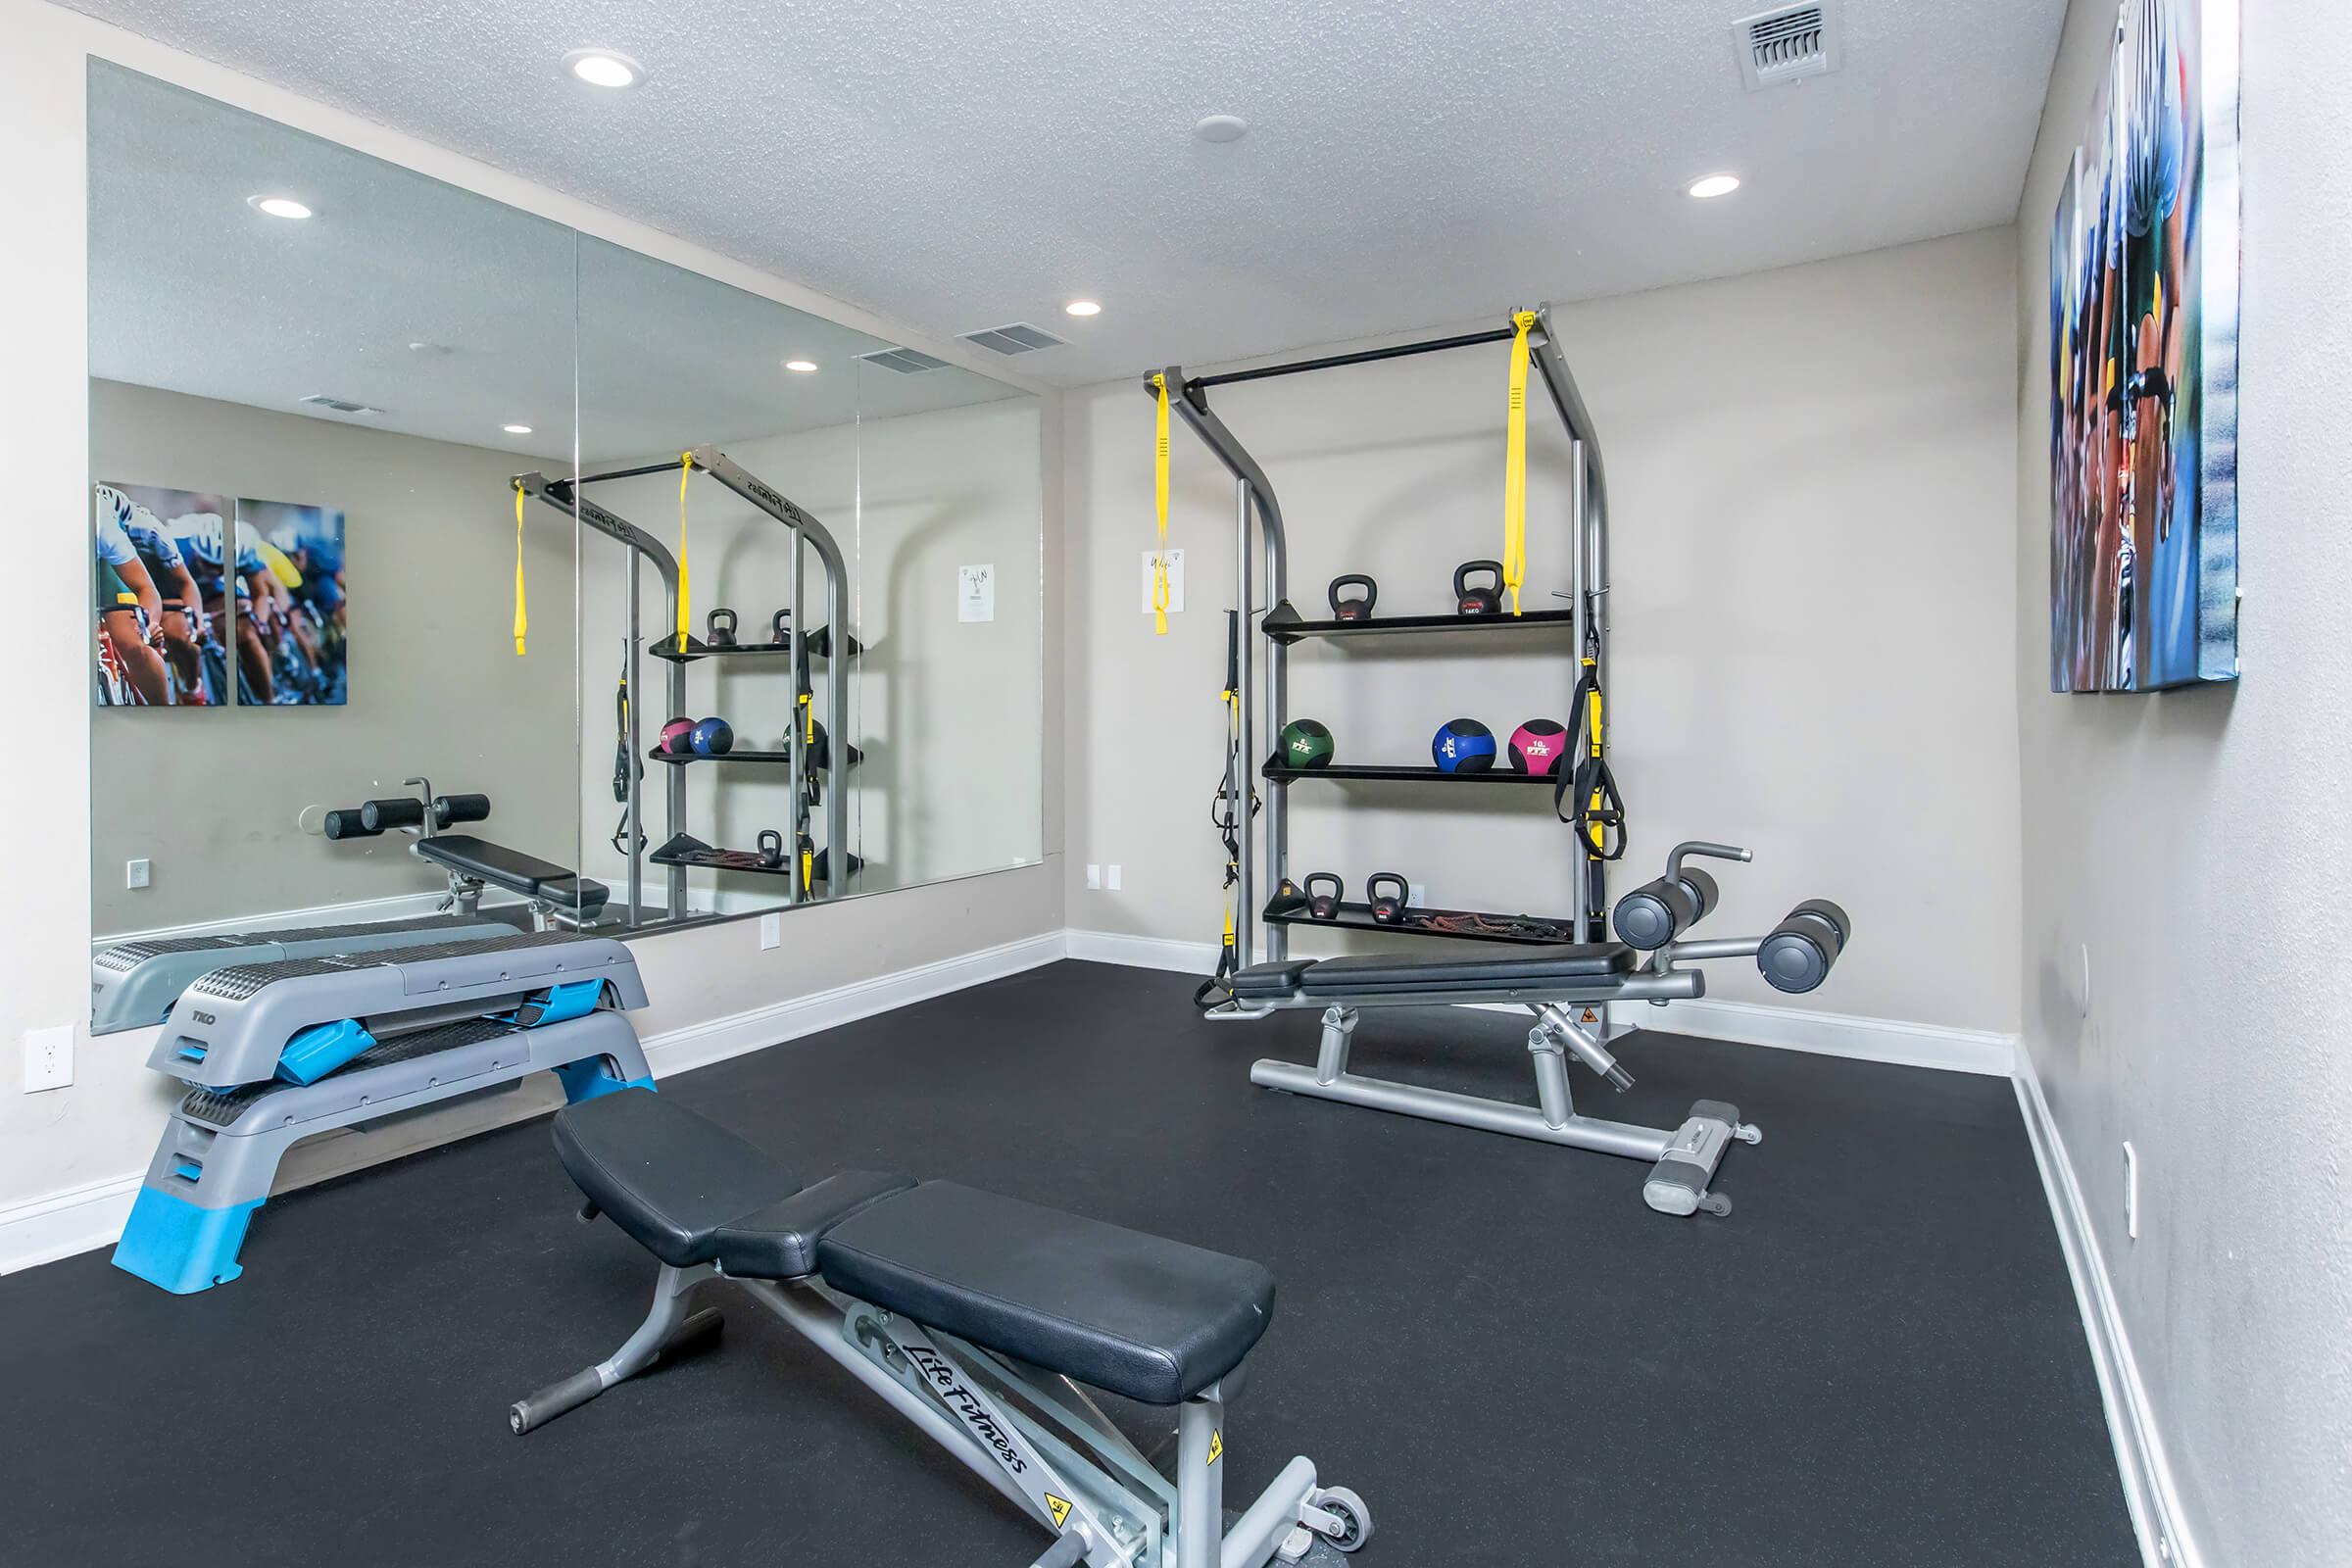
(449,809)
(1796,956)
(1656,912)
(347,822)
(399,811)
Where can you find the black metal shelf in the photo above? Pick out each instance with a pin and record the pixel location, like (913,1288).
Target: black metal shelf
(1385,773)
(1284,624)
(773,759)
(1548,931)
(707,857)
(694,649)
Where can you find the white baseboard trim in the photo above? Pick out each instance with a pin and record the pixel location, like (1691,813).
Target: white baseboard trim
(83,1218)
(1826,1033)
(2149,1492)
(700,1044)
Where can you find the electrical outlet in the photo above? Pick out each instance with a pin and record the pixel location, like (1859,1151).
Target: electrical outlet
(771,931)
(1093,875)
(2130,1191)
(48,1059)
(1111,880)
(138,873)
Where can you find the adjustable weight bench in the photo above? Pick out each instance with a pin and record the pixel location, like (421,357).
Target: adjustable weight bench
(558,896)
(1568,988)
(981,1319)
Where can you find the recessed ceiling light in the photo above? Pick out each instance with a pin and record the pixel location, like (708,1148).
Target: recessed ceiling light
(802,367)
(1082,308)
(1222,127)
(603,68)
(515,429)
(1714,185)
(277,206)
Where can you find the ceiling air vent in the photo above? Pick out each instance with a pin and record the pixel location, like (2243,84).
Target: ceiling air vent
(319,400)
(1018,338)
(907,362)
(1787,45)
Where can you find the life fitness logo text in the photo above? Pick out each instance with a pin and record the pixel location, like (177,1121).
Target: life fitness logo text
(939,1372)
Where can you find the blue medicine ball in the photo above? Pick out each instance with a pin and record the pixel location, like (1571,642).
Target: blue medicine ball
(711,738)
(1463,745)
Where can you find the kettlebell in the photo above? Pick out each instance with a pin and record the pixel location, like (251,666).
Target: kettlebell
(1352,609)
(779,630)
(1469,601)
(677,737)
(1388,907)
(719,630)
(712,737)
(1324,905)
(771,848)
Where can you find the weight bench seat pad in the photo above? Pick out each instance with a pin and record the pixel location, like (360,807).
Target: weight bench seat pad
(1568,961)
(515,871)
(669,1179)
(1144,1318)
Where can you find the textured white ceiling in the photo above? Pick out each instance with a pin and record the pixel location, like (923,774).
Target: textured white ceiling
(193,291)
(958,164)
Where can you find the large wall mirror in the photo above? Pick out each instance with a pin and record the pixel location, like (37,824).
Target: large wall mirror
(682,603)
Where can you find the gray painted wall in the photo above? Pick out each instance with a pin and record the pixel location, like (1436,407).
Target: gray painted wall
(2199,844)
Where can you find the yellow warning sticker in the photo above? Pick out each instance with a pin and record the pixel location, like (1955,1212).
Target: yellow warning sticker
(1590,1017)
(1216,1446)
(1059,1508)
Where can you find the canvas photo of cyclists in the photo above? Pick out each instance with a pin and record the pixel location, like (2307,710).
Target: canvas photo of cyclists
(162,597)
(2143,364)
(292,649)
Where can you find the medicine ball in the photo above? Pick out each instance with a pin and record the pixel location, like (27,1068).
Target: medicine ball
(677,737)
(712,737)
(1463,745)
(1537,746)
(1305,744)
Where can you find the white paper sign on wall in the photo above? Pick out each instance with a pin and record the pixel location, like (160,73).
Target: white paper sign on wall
(977,593)
(1175,579)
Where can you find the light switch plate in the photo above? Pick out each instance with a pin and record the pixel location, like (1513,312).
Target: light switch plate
(138,873)
(771,931)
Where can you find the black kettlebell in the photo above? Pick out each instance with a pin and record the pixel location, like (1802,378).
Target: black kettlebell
(779,630)
(719,630)
(1353,608)
(771,848)
(1469,601)
(1388,907)
(1324,905)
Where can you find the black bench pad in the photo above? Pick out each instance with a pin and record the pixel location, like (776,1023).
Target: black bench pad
(1568,961)
(669,1179)
(1144,1318)
(1274,978)
(779,1242)
(513,870)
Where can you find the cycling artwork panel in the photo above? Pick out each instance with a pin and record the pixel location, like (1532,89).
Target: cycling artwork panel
(162,586)
(2143,363)
(291,606)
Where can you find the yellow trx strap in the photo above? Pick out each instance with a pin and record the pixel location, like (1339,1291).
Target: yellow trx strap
(1596,832)
(1159,496)
(523,615)
(808,720)
(685,575)
(1514,465)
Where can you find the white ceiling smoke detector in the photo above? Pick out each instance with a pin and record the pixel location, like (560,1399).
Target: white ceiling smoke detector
(1222,128)
(1787,44)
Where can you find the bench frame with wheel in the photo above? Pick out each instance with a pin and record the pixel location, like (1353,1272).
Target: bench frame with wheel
(1569,989)
(983,1320)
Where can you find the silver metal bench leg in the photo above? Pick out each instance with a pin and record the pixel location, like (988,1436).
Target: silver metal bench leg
(1331,1056)
(1201,1479)
(667,1326)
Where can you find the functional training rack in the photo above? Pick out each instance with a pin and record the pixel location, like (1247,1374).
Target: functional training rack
(808,533)
(1263,545)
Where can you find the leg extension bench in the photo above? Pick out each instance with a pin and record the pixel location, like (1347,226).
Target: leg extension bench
(981,1319)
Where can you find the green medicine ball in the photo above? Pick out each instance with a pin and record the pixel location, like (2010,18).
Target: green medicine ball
(1305,744)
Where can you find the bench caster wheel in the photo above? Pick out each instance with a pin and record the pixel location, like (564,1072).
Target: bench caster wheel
(1356,1519)
(1716,1205)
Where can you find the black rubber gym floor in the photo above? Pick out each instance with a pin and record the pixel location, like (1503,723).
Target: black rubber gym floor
(1876,1359)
